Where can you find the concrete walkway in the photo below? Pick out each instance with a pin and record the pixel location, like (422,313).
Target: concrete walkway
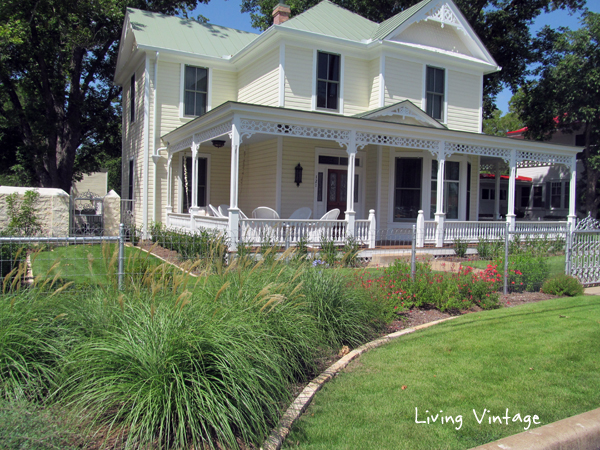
(592,290)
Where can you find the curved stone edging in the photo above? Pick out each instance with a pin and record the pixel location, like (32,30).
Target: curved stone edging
(299,405)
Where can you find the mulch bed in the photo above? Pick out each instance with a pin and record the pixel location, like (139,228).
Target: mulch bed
(416,317)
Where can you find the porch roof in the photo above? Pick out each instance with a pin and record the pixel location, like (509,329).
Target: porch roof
(259,120)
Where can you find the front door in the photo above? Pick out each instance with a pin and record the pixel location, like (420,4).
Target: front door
(337,189)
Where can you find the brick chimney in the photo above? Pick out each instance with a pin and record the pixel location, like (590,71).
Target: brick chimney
(281,13)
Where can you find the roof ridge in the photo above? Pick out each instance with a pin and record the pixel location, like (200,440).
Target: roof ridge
(398,19)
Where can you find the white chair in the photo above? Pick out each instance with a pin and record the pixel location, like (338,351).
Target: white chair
(315,235)
(264,212)
(301,214)
(223,210)
(215,212)
(331,215)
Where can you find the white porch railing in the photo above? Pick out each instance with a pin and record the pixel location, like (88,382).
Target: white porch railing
(290,232)
(179,221)
(548,227)
(188,222)
(429,231)
(473,231)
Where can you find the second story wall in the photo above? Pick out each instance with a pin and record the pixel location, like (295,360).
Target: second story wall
(357,86)
(258,82)
(298,82)
(403,81)
(464,101)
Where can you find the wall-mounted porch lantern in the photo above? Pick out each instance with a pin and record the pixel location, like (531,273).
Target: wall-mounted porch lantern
(298,178)
(217,143)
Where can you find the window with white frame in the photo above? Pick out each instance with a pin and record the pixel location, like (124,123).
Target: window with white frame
(451,188)
(538,196)
(407,192)
(555,194)
(187,183)
(434,92)
(328,81)
(195,91)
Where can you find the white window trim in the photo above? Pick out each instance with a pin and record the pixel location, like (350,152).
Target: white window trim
(182,89)
(340,109)
(180,179)
(319,207)
(424,92)
(132,104)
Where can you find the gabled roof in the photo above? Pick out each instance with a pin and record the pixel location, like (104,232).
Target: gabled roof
(404,112)
(156,30)
(388,26)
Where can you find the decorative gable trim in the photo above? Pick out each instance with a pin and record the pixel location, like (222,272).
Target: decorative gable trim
(404,109)
(443,14)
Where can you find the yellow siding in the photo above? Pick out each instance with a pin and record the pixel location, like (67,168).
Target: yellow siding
(403,81)
(374,82)
(433,35)
(258,176)
(259,82)
(169,78)
(299,151)
(463,101)
(356,86)
(224,87)
(220,174)
(298,78)
(371,180)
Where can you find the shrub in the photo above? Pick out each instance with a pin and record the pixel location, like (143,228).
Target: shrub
(489,249)
(329,251)
(23,220)
(563,285)
(526,271)
(350,252)
(460,247)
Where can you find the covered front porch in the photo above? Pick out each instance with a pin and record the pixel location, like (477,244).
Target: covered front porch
(386,173)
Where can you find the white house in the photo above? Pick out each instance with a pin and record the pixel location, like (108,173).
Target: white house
(380,121)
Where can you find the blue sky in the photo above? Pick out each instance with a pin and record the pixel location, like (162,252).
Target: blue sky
(227,13)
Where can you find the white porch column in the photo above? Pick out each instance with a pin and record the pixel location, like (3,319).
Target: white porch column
(234,212)
(420,229)
(439,205)
(169,183)
(572,194)
(194,208)
(510,216)
(497,196)
(350,213)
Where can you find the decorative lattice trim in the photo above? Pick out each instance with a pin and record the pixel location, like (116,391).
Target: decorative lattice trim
(587,224)
(444,14)
(496,152)
(214,132)
(536,159)
(249,127)
(181,145)
(363,139)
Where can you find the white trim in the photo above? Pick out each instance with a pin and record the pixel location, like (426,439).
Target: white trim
(279,174)
(209,75)
(382,82)
(146,149)
(181,89)
(313,104)
(424,89)
(341,93)
(320,207)
(378,188)
(182,157)
(480,125)
(154,122)
(282,74)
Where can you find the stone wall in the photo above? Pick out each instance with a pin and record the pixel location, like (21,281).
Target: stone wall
(112,214)
(52,209)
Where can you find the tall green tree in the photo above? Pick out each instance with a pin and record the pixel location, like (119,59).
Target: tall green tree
(57,60)
(566,95)
(502,25)
(500,125)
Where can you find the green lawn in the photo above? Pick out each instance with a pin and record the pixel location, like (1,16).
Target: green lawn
(85,263)
(538,359)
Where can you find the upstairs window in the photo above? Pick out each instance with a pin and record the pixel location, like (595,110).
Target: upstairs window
(434,93)
(196,89)
(132,98)
(328,81)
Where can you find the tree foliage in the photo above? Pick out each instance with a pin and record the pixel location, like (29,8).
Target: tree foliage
(502,25)
(566,95)
(500,125)
(59,111)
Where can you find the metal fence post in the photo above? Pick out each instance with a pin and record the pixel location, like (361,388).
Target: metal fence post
(506,235)
(413,253)
(121,254)
(568,250)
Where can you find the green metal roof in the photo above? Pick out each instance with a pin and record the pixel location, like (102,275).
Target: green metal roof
(388,26)
(186,35)
(329,19)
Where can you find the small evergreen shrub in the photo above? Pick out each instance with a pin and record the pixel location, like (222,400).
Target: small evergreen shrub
(460,247)
(563,285)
